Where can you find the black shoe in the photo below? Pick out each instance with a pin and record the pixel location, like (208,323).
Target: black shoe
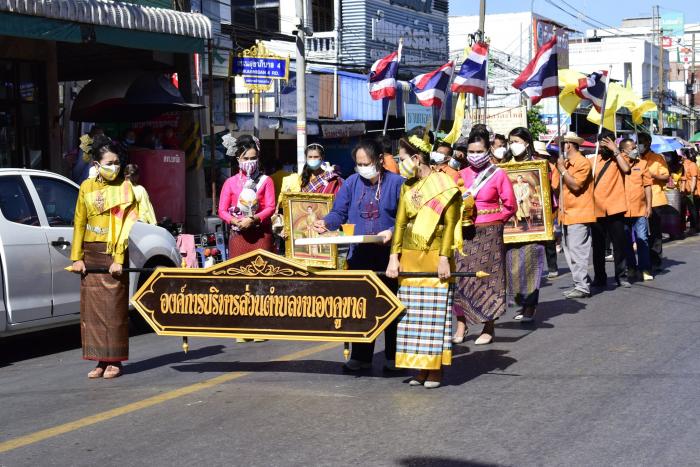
(600,283)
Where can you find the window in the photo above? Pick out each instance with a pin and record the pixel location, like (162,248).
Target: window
(322,15)
(58,200)
(253,16)
(15,204)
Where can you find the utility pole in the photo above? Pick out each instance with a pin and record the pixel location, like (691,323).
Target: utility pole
(301,85)
(482,38)
(692,92)
(661,74)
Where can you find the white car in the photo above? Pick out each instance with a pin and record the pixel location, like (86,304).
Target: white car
(36,230)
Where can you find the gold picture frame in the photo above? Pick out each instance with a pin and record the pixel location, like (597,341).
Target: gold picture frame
(300,210)
(533,220)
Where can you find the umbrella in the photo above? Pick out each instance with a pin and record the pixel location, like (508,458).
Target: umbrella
(695,138)
(128,96)
(659,144)
(673,142)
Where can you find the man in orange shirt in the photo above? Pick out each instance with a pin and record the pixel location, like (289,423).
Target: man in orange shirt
(658,168)
(690,175)
(576,213)
(388,158)
(638,195)
(610,208)
(441,158)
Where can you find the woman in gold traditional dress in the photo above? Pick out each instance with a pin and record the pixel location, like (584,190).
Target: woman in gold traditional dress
(424,241)
(104,214)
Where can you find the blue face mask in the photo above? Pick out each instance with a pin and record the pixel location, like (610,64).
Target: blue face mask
(313,163)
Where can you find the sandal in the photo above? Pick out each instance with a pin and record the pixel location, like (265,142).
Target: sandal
(112,371)
(97,372)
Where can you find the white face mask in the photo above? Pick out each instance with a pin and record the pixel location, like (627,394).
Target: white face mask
(517,148)
(455,164)
(634,154)
(499,153)
(437,157)
(367,171)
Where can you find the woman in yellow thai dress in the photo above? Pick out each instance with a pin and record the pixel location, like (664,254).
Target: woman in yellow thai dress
(424,241)
(104,215)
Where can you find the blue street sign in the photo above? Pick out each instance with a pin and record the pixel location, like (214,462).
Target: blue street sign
(263,81)
(272,68)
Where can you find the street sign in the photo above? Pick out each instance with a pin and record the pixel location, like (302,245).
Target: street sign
(258,62)
(263,295)
(672,23)
(258,81)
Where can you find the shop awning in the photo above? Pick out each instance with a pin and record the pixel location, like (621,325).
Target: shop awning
(107,22)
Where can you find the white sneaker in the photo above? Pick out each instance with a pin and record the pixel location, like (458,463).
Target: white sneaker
(356,365)
(647,277)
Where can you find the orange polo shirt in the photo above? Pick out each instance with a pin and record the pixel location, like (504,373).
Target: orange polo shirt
(390,163)
(657,166)
(690,170)
(609,192)
(577,207)
(635,182)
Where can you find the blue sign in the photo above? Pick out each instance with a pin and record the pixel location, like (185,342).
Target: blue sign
(417,115)
(672,23)
(260,81)
(272,68)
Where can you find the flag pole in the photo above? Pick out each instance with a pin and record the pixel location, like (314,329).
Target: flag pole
(602,119)
(486,89)
(388,105)
(444,101)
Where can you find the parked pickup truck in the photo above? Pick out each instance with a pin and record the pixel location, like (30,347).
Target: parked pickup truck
(36,230)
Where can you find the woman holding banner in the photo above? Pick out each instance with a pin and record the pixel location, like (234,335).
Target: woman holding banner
(489,189)
(424,240)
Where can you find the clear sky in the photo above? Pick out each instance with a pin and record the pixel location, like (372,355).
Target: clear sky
(610,12)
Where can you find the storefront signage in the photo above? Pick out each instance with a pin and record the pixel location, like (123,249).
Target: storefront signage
(502,119)
(417,115)
(672,23)
(544,31)
(343,130)
(262,295)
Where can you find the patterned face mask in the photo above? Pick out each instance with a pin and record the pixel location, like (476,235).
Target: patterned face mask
(408,168)
(109,172)
(478,160)
(249,167)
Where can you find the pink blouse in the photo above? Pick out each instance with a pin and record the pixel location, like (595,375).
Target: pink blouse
(233,187)
(498,188)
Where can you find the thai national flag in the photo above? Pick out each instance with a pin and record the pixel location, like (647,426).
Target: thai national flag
(430,88)
(471,77)
(539,78)
(382,77)
(592,87)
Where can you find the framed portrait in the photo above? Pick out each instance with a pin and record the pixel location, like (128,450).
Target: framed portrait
(533,220)
(301,210)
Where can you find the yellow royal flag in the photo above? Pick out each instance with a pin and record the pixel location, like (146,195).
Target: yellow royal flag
(456,130)
(612,105)
(568,81)
(641,109)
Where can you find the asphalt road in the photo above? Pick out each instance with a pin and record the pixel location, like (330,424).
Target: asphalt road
(613,380)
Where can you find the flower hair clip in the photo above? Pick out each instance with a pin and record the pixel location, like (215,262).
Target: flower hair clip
(229,142)
(86,146)
(257,142)
(421,144)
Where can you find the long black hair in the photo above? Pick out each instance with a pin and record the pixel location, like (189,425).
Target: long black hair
(308,171)
(525,135)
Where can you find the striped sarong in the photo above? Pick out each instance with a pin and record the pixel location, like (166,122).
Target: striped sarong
(424,337)
(524,267)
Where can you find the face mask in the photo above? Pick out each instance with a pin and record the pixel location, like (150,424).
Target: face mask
(368,172)
(130,141)
(313,163)
(408,168)
(249,167)
(478,160)
(633,154)
(437,157)
(109,172)
(455,164)
(642,148)
(517,148)
(499,153)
